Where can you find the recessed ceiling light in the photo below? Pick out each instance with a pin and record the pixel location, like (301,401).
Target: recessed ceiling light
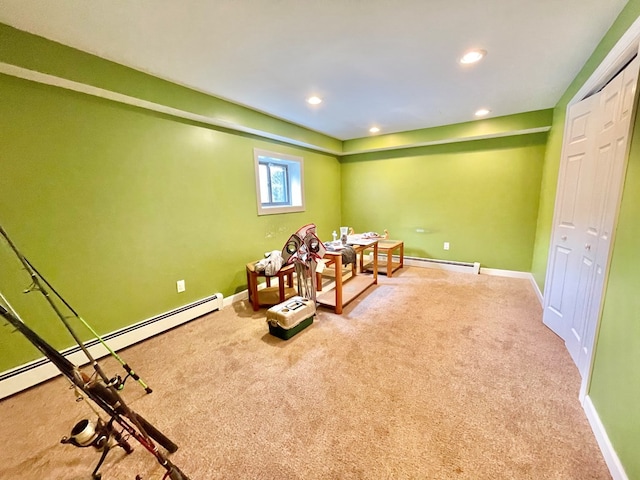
(482,112)
(314,100)
(473,56)
(374,130)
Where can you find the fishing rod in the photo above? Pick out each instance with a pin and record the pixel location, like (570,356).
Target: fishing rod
(37,285)
(102,436)
(125,365)
(102,390)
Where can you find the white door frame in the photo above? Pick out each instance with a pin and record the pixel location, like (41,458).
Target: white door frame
(618,56)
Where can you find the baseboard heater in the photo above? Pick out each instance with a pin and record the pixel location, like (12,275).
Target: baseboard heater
(37,371)
(451,265)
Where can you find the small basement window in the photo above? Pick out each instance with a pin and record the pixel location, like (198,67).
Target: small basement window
(279,182)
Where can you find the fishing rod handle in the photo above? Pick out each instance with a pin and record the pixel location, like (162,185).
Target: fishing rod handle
(156,434)
(113,399)
(175,473)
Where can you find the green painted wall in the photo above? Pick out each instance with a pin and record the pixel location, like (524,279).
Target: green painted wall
(554,148)
(547,197)
(480,196)
(114,204)
(615,382)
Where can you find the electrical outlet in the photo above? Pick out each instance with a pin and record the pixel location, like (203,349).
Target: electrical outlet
(180,286)
(446,245)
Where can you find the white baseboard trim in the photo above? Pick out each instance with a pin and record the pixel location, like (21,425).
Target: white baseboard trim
(244,294)
(610,456)
(515,274)
(536,289)
(496,272)
(461,267)
(476,269)
(24,376)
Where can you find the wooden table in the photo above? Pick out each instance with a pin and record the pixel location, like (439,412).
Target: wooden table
(269,295)
(387,266)
(344,292)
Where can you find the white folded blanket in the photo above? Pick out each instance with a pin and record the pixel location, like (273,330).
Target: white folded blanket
(271,264)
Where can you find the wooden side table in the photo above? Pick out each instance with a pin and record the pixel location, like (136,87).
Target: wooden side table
(387,266)
(344,292)
(270,295)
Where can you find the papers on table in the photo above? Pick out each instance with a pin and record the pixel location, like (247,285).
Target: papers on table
(359,240)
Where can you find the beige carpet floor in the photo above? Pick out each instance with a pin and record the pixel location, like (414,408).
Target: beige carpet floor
(429,375)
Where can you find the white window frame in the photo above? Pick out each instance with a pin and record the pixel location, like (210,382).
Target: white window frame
(295,168)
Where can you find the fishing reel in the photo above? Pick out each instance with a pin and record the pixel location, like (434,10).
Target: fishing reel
(99,435)
(118,382)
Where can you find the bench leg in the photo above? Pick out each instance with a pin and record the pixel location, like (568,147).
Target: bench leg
(252,289)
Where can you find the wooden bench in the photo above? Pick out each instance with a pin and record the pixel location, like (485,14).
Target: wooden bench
(388,266)
(270,295)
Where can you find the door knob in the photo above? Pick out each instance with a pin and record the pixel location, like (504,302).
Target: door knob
(564,238)
(587,246)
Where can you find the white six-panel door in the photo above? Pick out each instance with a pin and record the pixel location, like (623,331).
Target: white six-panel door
(589,189)
(566,242)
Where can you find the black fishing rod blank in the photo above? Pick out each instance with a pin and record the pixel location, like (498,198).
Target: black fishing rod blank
(37,285)
(125,365)
(99,388)
(107,398)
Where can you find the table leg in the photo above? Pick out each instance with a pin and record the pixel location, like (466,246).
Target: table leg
(281,282)
(249,286)
(338,267)
(375,263)
(252,280)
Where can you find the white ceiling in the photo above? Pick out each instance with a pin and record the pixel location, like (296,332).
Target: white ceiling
(390,63)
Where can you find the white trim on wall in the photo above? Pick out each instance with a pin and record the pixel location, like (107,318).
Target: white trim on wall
(610,456)
(515,274)
(29,374)
(473,269)
(618,56)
